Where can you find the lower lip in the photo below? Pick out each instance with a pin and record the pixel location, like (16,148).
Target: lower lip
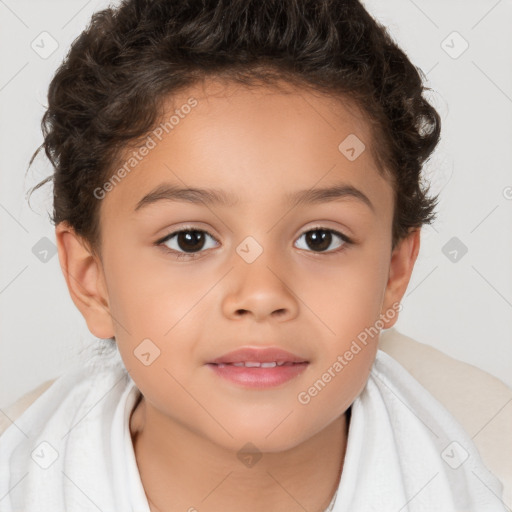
(259,377)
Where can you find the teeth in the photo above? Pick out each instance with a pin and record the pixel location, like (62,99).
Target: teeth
(254,364)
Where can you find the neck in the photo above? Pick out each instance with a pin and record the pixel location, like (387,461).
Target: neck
(181,470)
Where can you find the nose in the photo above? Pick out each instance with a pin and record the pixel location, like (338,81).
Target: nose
(260,290)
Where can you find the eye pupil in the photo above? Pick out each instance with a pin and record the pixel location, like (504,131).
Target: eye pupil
(320,242)
(196,238)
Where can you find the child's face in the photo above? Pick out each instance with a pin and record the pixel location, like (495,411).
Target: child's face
(259,147)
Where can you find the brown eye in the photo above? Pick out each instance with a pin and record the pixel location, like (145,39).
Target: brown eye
(322,239)
(187,241)
(190,241)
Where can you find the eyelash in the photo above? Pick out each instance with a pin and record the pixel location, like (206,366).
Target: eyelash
(183,255)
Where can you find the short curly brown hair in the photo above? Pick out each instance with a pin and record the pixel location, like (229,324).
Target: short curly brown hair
(111,87)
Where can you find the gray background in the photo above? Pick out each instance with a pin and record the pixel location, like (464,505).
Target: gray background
(462,307)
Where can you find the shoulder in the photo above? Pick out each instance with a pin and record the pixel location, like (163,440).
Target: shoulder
(16,409)
(480,402)
(99,364)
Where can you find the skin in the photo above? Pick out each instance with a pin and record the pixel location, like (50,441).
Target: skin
(259,144)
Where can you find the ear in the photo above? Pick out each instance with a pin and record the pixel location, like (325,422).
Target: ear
(401,266)
(84,276)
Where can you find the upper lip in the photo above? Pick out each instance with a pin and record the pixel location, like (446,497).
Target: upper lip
(259,355)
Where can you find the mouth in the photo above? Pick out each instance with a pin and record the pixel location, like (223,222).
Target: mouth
(255,357)
(258,367)
(256,364)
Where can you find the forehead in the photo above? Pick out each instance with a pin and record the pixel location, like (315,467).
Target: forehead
(253,142)
(282,112)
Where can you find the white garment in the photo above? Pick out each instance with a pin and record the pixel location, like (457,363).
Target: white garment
(71,450)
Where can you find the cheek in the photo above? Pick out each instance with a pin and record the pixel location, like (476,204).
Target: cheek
(155,306)
(330,392)
(347,295)
(148,295)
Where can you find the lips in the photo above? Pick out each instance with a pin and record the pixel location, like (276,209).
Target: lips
(259,357)
(259,368)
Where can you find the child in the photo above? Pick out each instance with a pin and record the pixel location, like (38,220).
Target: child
(238,205)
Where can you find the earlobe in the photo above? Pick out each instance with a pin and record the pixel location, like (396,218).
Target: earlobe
(401,266)
(85,280)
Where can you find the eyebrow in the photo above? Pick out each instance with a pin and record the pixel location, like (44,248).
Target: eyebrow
(211,196)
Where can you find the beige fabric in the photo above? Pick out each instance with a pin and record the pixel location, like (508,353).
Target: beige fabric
(480,402)
(15,410)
